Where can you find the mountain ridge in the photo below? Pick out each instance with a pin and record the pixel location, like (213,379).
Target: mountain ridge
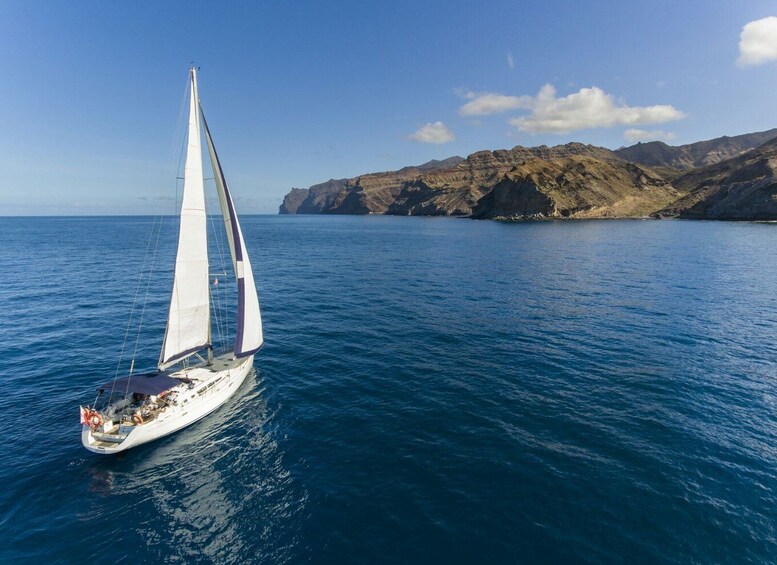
(741,188)
(692,155)
(572,180)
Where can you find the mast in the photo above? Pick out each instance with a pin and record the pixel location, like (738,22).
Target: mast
(188,322)
(249,337)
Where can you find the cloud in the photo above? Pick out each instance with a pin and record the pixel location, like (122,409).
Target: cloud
(585,109)
(435,132)
(634,135)
(758,42)
(485,103)
(510,61)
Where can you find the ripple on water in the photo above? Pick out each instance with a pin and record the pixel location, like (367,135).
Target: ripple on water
(430,390)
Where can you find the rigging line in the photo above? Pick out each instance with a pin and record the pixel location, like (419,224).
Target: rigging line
(219,316)
(184,143)
(217,301)
(218,235)
(220,291)
(224,290)
(145,298)
(215,306)
(217,238)
(176,207)
(134,300)
(176,140)
(178,127)
(212,303)
(229,318)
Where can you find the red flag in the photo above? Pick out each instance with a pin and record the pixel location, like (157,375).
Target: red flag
(83,416)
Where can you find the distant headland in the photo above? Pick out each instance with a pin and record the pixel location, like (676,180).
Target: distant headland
(727,178)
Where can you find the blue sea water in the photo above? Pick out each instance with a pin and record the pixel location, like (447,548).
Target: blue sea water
(431,390)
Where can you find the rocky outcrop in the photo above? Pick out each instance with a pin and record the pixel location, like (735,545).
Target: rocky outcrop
(293,200)
(742,188)
(321,196)
(367,194)
(576,187)
(700,154)
(419,199)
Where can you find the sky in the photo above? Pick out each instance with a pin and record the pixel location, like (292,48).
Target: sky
(300,92)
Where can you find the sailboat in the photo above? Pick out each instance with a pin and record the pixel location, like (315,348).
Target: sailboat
(191,381)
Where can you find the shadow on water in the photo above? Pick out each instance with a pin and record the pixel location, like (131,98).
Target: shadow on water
(217,490)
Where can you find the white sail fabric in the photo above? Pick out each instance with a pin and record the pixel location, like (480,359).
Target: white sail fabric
(188,323)
(249,337)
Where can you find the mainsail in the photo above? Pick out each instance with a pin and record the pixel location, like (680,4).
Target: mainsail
(249,336)
(188,322)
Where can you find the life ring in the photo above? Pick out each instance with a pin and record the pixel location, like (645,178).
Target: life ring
(137,419)
(94,419)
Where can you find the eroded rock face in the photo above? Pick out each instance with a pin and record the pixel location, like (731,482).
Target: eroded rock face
(292,201)
(482,170)
(368,194)
(321,196)
(742,188)
(419,199)
(576,187)
(515,197)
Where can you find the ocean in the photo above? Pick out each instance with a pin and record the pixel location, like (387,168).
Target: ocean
(431,390)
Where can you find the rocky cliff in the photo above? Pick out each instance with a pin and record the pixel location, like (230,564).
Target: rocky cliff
(293,200)
(741,188)
(368,194)
(576,187)
(566,181)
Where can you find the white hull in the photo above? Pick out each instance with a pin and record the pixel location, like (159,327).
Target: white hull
(210,387)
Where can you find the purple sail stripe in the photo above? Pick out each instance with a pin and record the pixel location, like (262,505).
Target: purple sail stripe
(247,353)
(241,299)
